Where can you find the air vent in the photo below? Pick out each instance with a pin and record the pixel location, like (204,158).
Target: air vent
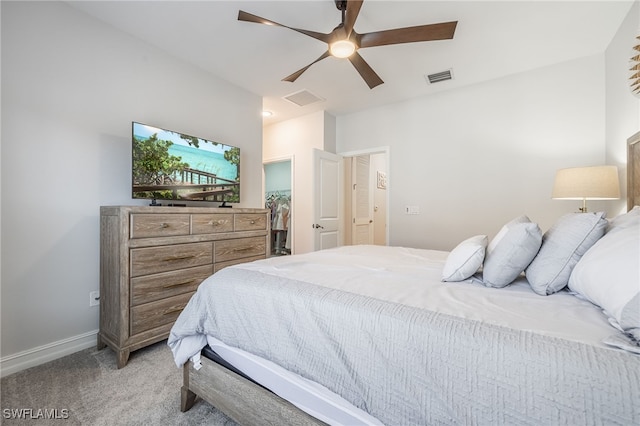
(303,98)
(439,76)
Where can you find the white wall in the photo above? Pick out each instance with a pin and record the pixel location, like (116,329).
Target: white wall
(476,157)
(623,108)
(298,137)
(70,88)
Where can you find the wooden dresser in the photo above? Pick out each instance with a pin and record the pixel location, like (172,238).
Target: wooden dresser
(152,260)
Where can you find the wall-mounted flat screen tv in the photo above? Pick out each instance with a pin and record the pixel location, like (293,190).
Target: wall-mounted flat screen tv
(168,165)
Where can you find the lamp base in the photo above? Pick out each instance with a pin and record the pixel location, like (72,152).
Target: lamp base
(583,209)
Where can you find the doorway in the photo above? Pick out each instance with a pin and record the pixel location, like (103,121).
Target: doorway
(366,197)
(278,193)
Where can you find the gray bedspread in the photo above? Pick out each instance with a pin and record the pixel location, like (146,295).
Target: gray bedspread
(410,366)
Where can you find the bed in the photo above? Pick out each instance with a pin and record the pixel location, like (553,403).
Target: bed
(528,328)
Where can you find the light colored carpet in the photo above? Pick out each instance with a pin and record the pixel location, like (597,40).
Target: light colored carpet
(94,392)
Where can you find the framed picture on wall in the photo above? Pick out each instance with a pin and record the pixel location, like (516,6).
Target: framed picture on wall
(382,180)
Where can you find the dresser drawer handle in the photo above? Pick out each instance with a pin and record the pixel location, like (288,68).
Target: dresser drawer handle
(186,256)
(242,249)
(253,222)
(164,225)
(212,223)
(173,311)
(178,284)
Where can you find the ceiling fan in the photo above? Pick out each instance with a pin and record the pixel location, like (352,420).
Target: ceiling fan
(344,41)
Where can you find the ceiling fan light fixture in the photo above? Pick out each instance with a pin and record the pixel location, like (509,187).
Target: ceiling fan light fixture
(342,48)
(344,41)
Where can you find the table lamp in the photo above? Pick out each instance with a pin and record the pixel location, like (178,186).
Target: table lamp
(587,183)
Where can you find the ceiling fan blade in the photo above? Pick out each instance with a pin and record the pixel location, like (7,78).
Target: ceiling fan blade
(442,31)
(351,14)
(248,17)
(293,77)
(368,74)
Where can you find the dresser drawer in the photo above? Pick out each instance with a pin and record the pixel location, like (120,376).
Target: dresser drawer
(250,222)
(150,288)
(211,223)
(154,314)
(239,248)
(153,260)
(159,225)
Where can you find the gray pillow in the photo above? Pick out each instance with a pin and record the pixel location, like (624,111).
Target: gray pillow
(513,253)
(562,247)
(503,231)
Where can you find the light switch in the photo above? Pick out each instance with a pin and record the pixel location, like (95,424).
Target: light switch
(412,209)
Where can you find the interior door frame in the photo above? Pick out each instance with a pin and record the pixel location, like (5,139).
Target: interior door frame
(386,150)
(292,221)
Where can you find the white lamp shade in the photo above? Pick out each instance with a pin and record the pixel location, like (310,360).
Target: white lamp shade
(587,183)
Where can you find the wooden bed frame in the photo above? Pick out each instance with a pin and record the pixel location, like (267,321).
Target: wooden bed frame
(250,404)
(244,401)
(633,171)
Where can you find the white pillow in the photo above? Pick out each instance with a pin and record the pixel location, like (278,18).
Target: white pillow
(465,259)
(503,231)
(512,254)
(562,247)
(608,275)
(626,219)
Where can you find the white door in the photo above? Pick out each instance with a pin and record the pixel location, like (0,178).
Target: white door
(327,199)
(361,205)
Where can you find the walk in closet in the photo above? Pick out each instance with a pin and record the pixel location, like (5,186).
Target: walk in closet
(278,201)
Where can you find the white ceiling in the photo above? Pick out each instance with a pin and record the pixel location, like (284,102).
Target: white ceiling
(492,39)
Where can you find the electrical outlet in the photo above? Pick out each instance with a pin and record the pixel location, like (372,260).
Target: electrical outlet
(94,298)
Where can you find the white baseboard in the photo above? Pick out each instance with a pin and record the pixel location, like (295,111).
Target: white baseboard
(30,358)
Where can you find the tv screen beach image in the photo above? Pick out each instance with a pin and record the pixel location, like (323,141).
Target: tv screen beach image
(167,165)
